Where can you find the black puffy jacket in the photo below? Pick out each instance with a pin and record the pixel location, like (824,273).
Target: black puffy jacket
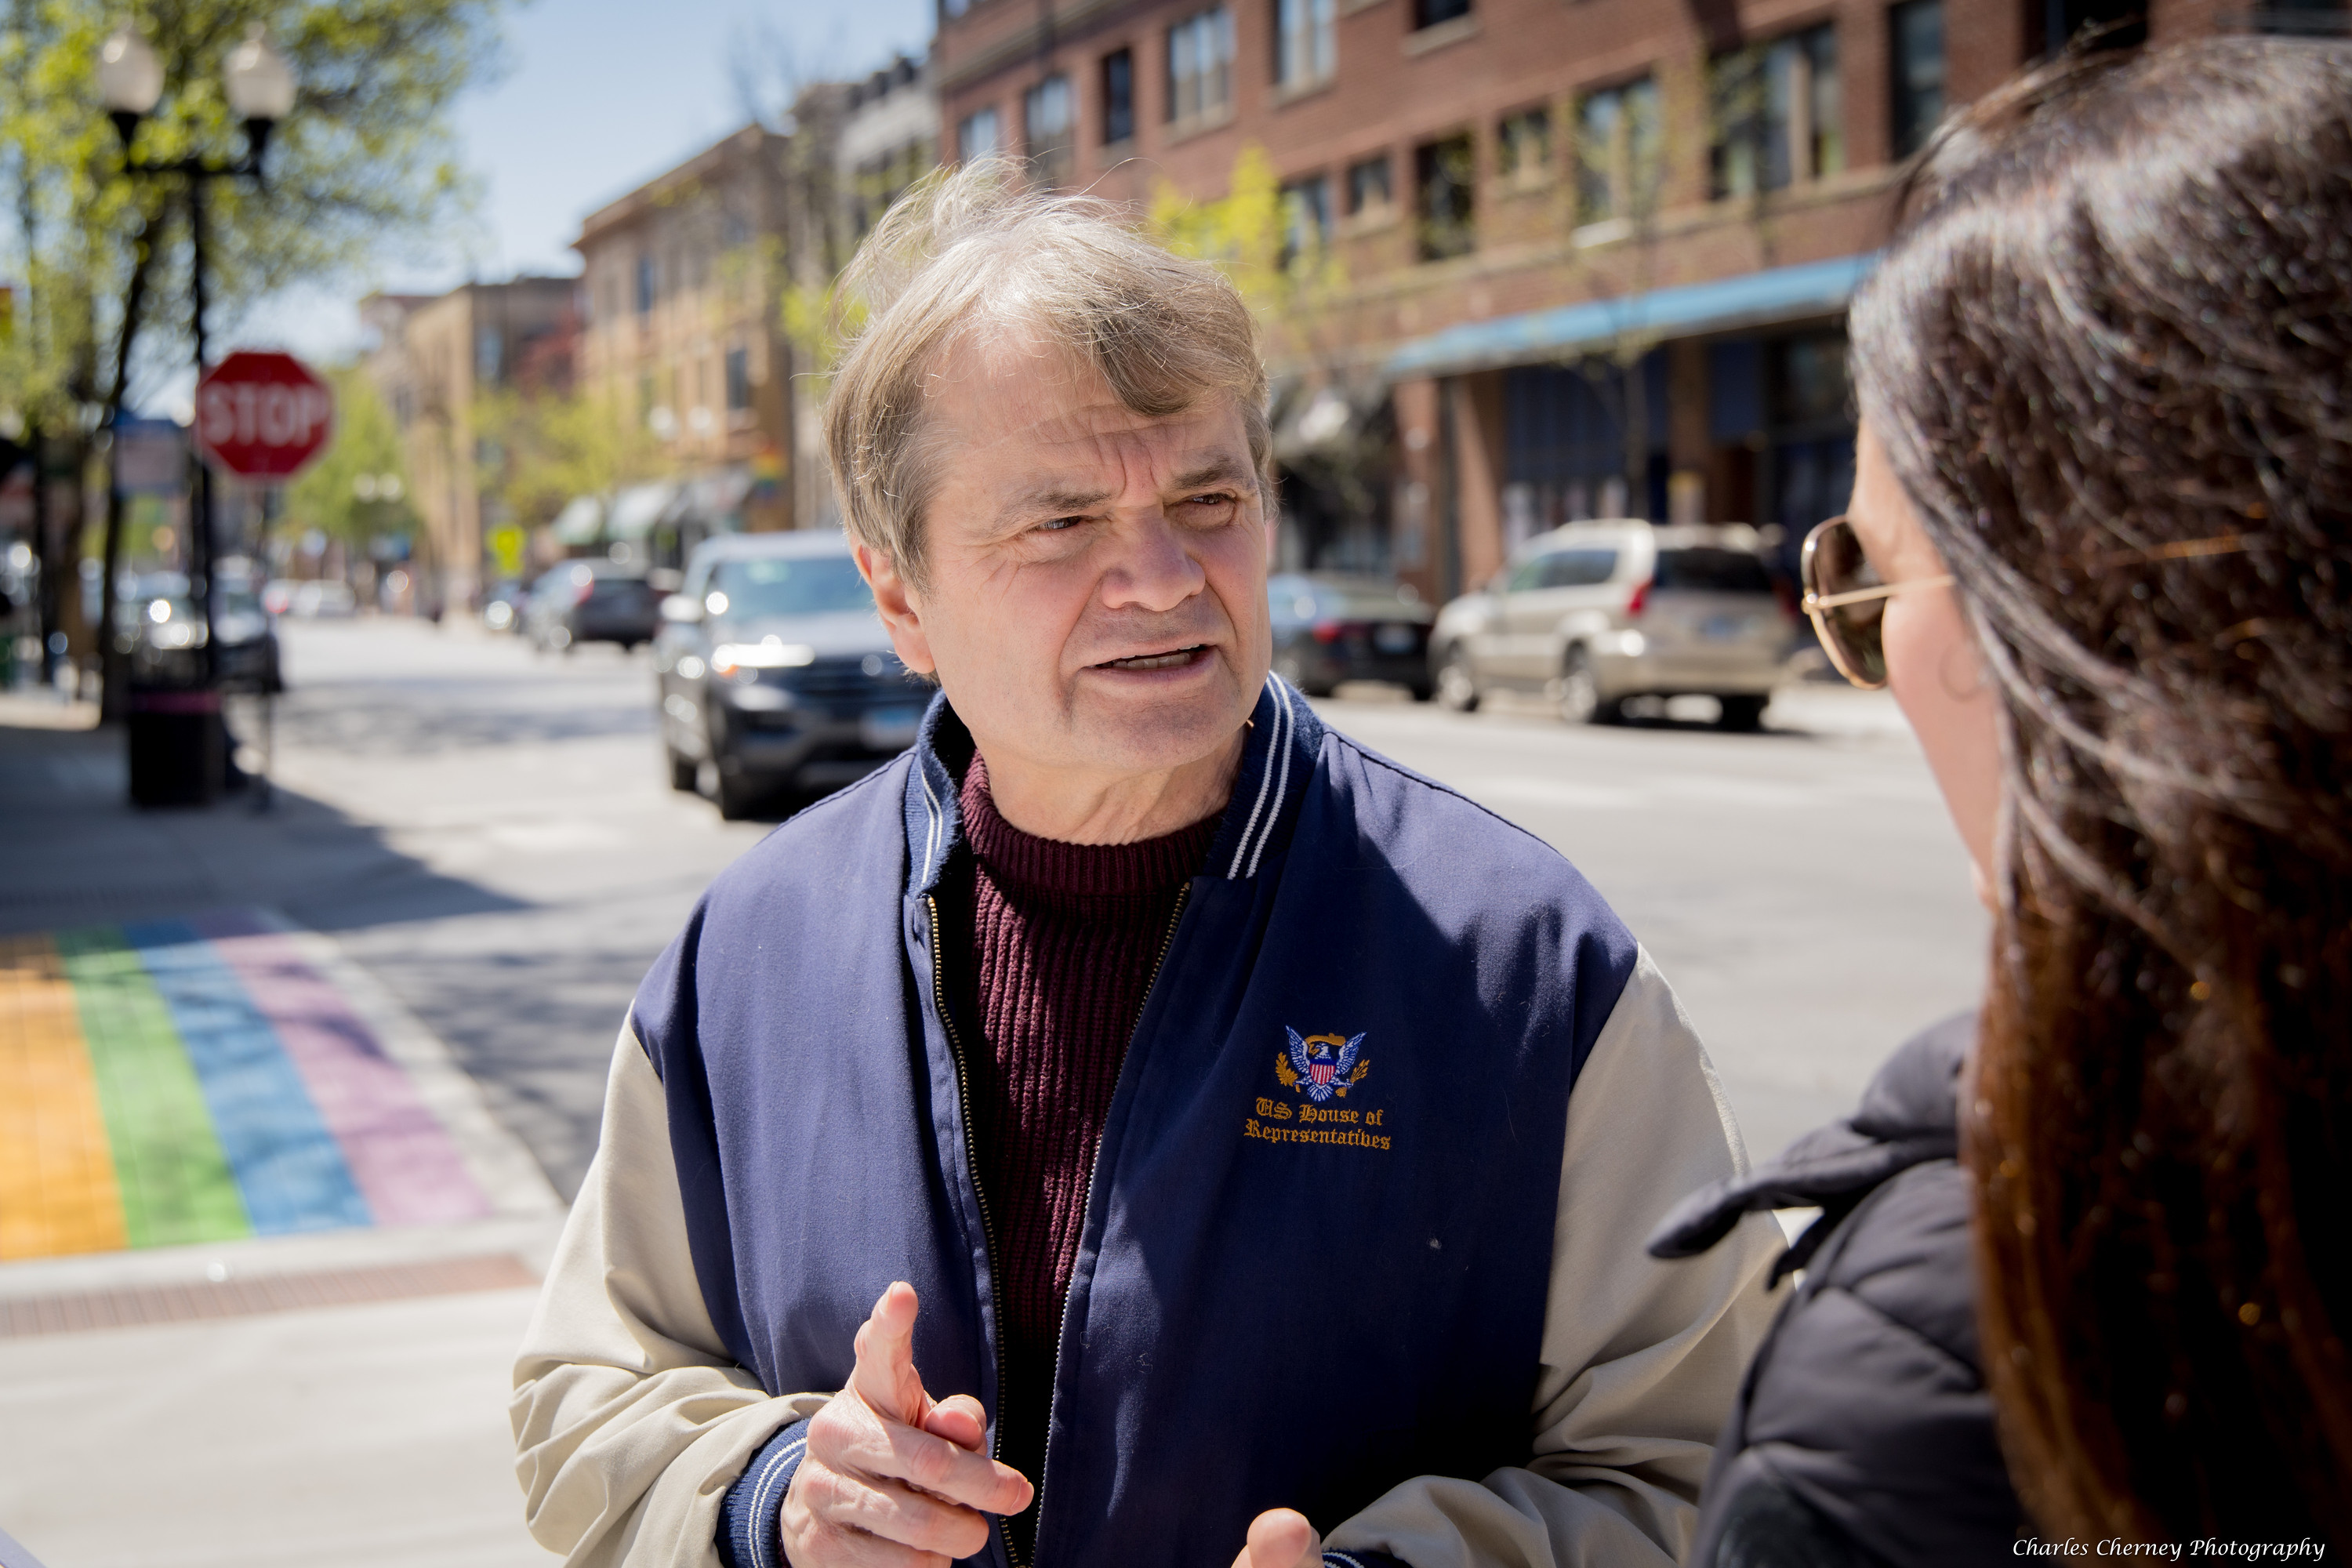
(1864,1431)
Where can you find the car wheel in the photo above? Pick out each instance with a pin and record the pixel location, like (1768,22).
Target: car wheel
(733,794)
(1742,714)
(1422,693)
(1457,684)
(1580,702)
(683,772)
(559,639)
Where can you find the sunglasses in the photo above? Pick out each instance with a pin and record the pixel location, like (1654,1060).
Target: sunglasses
(1847,602)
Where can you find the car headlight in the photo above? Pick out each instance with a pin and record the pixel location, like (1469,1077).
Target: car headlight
(743,661)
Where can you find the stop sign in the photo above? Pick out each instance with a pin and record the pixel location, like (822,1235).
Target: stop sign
(262,415)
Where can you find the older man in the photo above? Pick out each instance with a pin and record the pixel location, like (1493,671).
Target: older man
(1140,1126)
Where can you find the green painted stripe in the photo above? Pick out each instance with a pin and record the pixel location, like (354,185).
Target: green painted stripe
(176,1185)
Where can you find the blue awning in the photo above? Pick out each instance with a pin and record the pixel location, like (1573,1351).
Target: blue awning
(1751,299)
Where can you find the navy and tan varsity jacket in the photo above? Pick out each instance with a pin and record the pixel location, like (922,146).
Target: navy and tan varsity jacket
(1364,1236)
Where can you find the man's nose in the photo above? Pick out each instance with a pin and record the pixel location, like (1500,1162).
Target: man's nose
(1150,567)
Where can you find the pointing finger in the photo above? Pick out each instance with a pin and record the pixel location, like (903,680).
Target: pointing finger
(1281,1538)
(885,1376)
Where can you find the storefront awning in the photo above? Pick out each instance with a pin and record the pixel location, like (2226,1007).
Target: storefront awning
(637,509)
(1752,300)
(579,521)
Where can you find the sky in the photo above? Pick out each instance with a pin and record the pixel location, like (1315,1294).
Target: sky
(596,97)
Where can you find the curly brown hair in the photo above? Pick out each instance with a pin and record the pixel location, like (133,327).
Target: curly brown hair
(2108,353)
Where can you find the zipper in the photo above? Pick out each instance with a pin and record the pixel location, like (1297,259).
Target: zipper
(971,1165)
(1062,1337)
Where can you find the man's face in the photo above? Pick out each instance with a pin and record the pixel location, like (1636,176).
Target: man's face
(1095,600)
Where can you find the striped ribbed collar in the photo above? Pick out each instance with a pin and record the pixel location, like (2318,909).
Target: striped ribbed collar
(1277,759)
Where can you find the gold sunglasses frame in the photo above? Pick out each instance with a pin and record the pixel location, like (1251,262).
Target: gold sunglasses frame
(1817,604)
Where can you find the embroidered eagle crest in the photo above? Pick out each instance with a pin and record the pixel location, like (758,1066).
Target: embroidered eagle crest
(1320,1066)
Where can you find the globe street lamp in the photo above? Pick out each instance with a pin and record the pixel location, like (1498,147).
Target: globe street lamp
(260,89)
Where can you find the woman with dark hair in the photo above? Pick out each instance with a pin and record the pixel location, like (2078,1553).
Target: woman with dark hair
(2100,547)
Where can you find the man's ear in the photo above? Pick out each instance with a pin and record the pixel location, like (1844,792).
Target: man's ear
(901,607)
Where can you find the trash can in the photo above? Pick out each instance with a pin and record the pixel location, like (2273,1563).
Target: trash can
(178,745)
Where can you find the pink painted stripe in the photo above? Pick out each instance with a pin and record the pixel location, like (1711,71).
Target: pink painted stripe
(400,1156)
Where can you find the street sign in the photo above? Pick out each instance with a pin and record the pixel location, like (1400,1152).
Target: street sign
(262,415)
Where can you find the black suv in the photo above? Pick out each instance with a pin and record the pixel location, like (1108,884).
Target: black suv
(773,673)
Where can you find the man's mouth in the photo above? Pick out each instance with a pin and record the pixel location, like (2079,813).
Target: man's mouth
(1168,660)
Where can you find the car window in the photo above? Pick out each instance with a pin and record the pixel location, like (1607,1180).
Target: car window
(1291,600)
(1527,574)
(1712,570)
(798,586)
(1578,568)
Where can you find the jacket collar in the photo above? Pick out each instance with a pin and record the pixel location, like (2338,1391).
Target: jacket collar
(1277,759)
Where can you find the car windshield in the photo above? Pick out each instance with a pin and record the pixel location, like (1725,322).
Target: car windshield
(788,585)
(1712,570)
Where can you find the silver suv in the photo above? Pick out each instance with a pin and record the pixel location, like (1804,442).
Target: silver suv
(1595,613)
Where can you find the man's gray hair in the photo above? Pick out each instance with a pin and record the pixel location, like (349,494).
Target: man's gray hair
(975,249)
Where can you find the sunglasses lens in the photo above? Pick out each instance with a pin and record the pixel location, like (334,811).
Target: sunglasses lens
(1838,567)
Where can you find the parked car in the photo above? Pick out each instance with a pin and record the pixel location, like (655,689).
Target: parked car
(590,601)
(1596,613)
(159,623)
(1329,628)
(310,598)
(774,672)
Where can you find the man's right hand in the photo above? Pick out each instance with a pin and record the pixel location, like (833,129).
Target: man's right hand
(890,1478)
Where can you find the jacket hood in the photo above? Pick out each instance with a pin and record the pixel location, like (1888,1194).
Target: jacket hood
(1910,1114)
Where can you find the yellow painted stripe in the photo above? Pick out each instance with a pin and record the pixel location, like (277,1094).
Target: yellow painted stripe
(58,1192)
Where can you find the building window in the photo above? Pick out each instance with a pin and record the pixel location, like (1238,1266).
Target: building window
(734,229)
(1445,182)
(489,356)
(1429,13)
(1914,32)
(1367,186)
(1305,45)
(1523,145)
(739,380)
(1619,149)
(2112,24)
(1306,219)
(1778,117)
(1048,116)
(1119,96)
(645,284)
(978,136)
(1200,66)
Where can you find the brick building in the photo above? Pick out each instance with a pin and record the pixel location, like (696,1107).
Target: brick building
(433,358)
(1593,255)
(680,278)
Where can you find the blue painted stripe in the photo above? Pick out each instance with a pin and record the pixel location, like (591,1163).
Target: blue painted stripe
(289,1167)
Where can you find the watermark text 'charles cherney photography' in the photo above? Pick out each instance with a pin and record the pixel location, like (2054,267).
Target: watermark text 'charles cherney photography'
(2175,1550)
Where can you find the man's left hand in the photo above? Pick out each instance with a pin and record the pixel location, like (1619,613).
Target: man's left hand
(1281,1538)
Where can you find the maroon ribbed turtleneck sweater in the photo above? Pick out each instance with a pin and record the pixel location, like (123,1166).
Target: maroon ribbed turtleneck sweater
(1050,948)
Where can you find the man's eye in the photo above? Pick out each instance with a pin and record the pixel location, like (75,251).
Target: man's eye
(1214,498)
(1058,524)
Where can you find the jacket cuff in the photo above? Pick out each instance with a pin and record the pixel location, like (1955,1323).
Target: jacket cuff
(1360,1560)
(749,1535)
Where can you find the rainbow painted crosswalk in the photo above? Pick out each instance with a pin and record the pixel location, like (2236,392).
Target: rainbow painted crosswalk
(201,1080)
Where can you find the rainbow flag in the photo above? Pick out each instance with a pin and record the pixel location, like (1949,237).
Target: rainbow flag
(197,1081)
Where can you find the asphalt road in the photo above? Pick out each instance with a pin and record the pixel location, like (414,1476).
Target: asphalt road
(526,859)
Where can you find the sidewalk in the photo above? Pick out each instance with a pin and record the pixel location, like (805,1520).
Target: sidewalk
(264,1255)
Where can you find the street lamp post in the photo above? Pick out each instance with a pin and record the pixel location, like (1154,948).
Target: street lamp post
(260,89)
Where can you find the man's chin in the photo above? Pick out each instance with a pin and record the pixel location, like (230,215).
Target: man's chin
(1162,720)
